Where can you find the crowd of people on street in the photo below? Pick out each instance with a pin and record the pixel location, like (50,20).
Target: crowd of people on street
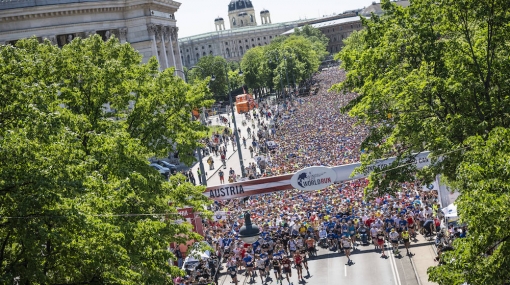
(294,224)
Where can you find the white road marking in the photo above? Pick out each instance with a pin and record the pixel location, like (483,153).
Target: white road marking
(393,264)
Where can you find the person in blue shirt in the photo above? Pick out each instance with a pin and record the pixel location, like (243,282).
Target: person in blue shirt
(402,223)
(333,239)
(248,262)
(227,242)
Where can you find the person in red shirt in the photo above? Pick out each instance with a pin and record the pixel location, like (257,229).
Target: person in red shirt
(298,260)
(286,267)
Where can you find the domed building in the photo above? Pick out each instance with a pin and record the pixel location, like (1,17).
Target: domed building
(241,14)
(244,33)
(148,25)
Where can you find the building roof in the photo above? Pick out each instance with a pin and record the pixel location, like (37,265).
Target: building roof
(265,11)
(15,4)
(239,4)
(376,8)
(329,23)
(218,19)
(247,29)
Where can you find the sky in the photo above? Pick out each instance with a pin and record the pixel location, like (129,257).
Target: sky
(197,16)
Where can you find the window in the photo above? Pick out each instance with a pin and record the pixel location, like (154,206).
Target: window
(210,52)
(226,43)
(265,43)
(197,56)
(209,46)
(203,47)
(251,18)
(351,26)
(239,41)
(233,21)
(334,39)
(333,30)
(258,39)
(259,44)
(253,45)
(187,50)
(228,52)
(247,47)
(270,37)
(242,23)
(252,40)
(246,41)
(264,38)
(196,48)
(203,54)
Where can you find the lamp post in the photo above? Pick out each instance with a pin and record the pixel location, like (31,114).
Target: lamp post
(241,162)
(199,149)
(281,83)
(249,233)
(286,73)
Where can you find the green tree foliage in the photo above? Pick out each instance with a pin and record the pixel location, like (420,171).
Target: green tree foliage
(295,57)
(78,202)
(434,76)
(316,37)
(484,181)
(429,77)
(251,65)
(211,65)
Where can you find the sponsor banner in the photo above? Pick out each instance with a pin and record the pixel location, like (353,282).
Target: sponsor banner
(431,186)
(313,178)
(249,187)
(220,216)
(336,174)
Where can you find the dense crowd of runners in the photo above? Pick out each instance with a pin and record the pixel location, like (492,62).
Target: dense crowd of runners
(311,131)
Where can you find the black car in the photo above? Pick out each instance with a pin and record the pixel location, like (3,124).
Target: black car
(172,167)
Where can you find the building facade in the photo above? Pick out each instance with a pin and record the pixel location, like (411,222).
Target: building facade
(148,25)
(244,33)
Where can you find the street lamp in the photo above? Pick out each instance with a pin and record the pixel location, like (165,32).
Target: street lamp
(249,233)
(286,73)
(199,149)
(281,83)
(236,133)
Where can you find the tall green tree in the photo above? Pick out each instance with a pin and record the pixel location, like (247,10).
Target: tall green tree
(318,40)
(212,65)
(434,76)
(484,181)
(251,64)
(78,202)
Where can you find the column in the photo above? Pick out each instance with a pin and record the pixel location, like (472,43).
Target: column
(172,36)
(168,39)
(152,34)
(123,35)
(164,60)
(178,63)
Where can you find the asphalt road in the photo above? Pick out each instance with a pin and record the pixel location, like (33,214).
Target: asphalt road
(367,268)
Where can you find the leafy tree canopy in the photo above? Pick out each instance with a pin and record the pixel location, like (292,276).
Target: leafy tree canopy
(79,203)
(434,76)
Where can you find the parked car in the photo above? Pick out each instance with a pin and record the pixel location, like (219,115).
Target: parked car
(162,170)
(172,167)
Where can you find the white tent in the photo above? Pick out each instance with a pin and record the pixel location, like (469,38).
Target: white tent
(450,212)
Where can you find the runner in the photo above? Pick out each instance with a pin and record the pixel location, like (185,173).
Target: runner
(394,240)
(298,261)
(277,269)
(286,267)
(380,242)
(405,238)
(346,246)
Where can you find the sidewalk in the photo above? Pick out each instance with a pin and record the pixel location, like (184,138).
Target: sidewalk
(423,258)
(232,157)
